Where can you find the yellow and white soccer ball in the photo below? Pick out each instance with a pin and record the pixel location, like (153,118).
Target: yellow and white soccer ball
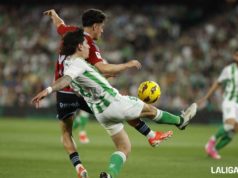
(149,92)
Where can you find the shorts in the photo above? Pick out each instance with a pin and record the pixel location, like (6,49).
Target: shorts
(121,109)
(68,103)
(230,110)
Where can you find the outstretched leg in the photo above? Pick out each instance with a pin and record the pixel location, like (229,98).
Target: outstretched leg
(163,117)
(154,137)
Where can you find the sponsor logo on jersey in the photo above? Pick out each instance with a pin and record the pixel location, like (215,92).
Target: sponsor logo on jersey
(98,55)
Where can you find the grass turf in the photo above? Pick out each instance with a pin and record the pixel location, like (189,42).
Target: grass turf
(32,149)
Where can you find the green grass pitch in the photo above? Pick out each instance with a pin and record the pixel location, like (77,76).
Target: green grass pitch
(32,149)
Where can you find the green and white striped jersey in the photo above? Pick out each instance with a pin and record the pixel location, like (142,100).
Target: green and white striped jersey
(229,77)
(90,84)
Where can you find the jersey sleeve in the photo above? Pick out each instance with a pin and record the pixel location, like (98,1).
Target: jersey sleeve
(94,54)
(74,69)
(62,29)
(224,75)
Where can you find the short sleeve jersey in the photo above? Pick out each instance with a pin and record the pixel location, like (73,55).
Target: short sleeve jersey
(229,78)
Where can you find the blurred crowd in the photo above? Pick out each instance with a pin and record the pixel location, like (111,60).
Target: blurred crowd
(184,59)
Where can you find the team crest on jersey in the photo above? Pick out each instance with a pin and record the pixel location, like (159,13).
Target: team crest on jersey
(98,55)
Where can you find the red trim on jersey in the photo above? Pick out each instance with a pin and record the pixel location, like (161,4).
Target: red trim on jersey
(94,53)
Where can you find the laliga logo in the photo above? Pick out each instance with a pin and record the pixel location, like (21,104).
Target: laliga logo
(224,170)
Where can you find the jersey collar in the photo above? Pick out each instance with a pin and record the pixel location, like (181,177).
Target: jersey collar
(87,34)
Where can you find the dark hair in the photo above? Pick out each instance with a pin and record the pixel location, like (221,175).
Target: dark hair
(70,42)
(92,16)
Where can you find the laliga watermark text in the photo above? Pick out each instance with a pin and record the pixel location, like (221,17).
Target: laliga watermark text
(224,169)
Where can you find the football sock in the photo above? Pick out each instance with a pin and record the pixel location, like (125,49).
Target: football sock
(225,134)
(143,128)
(116,162)
(76,122)
(223,142)
(83,120)
(151,134)
(163,117)
(74,157)
(221,132)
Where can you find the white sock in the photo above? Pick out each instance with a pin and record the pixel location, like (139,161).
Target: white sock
(151,134)
(77,167)
(213,137)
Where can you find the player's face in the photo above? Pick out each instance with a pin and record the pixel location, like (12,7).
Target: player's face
(235,56)
(85,49)
(98,30)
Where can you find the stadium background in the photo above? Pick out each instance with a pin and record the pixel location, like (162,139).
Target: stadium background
(183,45)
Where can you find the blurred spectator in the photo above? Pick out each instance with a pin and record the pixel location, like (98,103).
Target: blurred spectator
(184,61)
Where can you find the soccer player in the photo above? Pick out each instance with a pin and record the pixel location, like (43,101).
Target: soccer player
(93,24)
(229,80)
(68,102)
(104,100)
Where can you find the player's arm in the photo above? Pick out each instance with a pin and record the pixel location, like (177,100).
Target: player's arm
(56,86)
(110,70)
(55,17)
(224,76)
(211,90)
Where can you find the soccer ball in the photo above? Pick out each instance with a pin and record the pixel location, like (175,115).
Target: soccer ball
(149,91)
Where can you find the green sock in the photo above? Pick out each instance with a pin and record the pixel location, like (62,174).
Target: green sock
(76,122)
(116,162)
(83,120)
(221,132)
(223,141)
(163,117)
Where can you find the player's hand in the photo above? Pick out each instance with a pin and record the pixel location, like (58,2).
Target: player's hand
(50,12)
(36,100)
(134,63)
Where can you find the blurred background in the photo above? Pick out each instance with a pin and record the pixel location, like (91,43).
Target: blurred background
(182,45)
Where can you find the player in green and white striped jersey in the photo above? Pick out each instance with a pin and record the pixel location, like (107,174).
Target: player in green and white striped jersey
(229,80)
(108,105)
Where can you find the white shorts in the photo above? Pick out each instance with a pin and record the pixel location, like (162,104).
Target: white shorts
(230,110)
(121,109)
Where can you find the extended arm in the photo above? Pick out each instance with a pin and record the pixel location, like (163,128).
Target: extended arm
(211,90)
(56,86)
(110,70)
(55,17)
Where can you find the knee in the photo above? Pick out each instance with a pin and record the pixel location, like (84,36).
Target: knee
(230,128)
(152,111)
(134,122)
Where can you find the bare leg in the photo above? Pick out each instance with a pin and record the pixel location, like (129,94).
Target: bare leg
(67,139)
(118,158)
(70,146)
